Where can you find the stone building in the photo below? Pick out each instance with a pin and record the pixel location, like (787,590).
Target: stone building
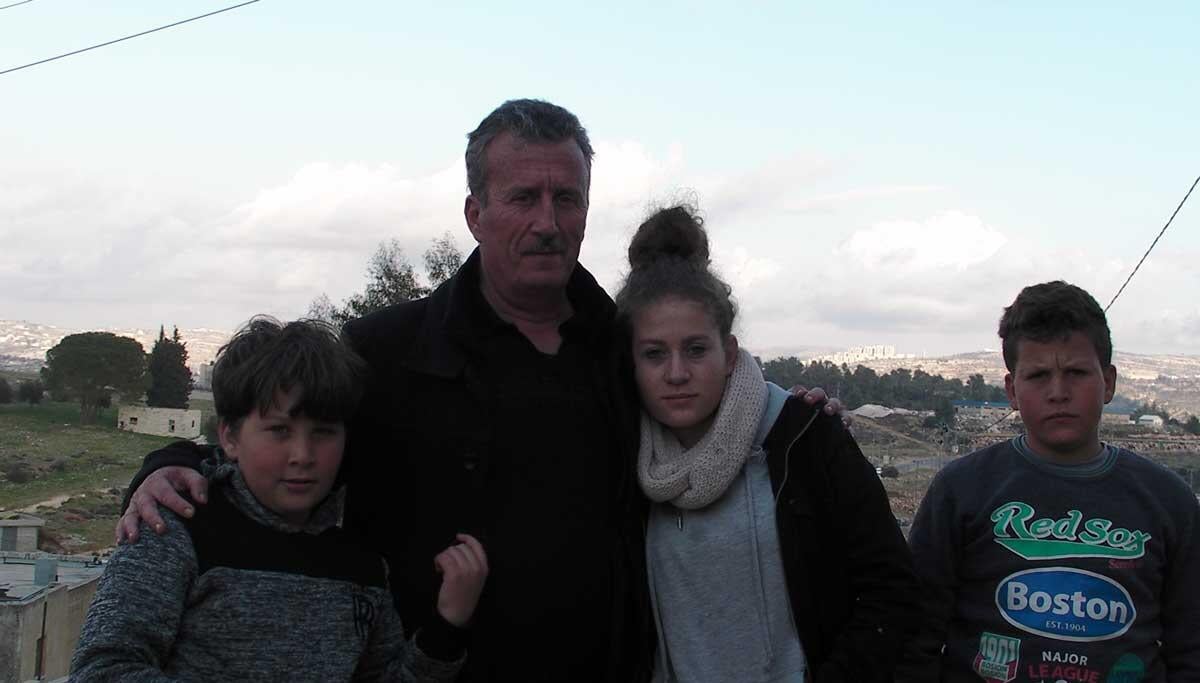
(177,422)
(19,532)
(982,410)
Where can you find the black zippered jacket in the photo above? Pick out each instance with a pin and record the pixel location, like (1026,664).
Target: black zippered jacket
(433,451)
(849,572)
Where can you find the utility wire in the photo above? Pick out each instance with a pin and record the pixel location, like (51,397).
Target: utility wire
(23,2)
(1160,234)
(1135,270)
(153,30)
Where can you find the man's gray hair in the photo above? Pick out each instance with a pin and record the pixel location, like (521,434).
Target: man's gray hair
(527,120)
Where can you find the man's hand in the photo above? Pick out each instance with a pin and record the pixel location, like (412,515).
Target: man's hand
(463,568)
(162,487)
(832,406)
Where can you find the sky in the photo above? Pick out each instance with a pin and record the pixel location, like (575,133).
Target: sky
(868,174)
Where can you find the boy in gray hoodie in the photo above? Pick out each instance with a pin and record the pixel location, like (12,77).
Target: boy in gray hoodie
(262,583)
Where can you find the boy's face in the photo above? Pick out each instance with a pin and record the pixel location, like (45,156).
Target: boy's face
(289,462)
(1060,388)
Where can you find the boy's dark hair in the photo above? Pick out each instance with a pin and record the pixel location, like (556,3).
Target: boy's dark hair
(1050,311)
(266,357)
(668,256)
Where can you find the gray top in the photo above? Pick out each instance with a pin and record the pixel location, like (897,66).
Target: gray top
(717,585)
(160,614)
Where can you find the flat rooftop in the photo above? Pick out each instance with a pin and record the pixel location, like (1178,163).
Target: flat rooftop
(16,574)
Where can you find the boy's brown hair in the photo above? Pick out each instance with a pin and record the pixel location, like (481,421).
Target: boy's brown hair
(1050,311)
(267,356)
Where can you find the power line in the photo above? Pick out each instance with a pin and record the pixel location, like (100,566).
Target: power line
(1135,270)
(111,42)
(23,2)
(1160,234)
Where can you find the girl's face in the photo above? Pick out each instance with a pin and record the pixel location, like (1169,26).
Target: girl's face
(681,364)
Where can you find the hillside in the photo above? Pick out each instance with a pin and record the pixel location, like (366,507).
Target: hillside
(76,473)
(23,345)
(1173,381)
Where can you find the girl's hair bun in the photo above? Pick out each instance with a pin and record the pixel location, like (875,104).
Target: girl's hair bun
(673,233)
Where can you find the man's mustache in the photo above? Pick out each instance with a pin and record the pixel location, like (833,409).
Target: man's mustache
(549,244)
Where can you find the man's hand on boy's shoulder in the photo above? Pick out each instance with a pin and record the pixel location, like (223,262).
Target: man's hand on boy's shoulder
(161,487)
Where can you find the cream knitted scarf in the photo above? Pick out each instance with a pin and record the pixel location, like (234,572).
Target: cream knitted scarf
(694,477)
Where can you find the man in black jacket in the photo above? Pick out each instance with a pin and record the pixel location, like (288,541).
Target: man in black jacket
(498,406)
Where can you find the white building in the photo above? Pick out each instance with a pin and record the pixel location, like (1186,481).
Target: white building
(178,422)
(1154,422)
(859,354)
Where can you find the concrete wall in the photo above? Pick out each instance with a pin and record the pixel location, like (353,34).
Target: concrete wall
(9,627)
(27,539)
(59,612)
(157,421)
(26,535)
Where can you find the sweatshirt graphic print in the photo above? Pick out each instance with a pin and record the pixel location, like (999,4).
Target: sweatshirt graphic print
(1040,574)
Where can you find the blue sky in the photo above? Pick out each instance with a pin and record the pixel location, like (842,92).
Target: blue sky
(870,174)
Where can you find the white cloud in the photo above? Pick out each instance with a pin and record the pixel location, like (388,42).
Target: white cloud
(811,264)
(744,272)
(951,239)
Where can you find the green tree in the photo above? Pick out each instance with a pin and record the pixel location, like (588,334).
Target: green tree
(6,391)
(92,366)
(943,410)
(170,379)
(977,388)
(391,279)
(442,260)
(1151,408)
(1192,426)
(30,391)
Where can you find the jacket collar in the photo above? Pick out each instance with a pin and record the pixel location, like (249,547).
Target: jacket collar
(458,320)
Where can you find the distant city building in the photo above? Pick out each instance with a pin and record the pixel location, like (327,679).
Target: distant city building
(177,422)
(859,354)
(983,410)
(203,376)
(43,602)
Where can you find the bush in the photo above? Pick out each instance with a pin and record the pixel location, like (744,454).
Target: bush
(6,392)
(59,465)
(30,391)
(18,472)
(889,472)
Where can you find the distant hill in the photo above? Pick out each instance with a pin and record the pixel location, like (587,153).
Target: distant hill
(23,344)
(1172,381)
